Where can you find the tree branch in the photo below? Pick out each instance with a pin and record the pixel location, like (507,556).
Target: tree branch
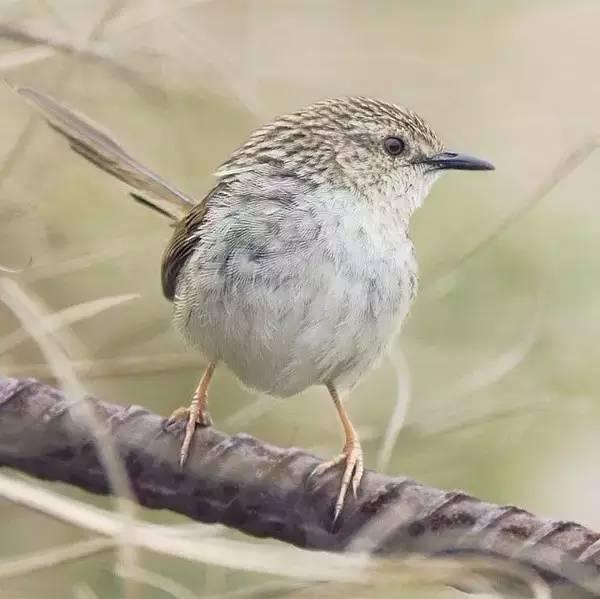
(263,490)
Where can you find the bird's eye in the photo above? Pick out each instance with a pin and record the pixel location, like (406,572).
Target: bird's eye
(394,145)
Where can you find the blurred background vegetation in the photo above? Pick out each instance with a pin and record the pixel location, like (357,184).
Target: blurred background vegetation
(494,380)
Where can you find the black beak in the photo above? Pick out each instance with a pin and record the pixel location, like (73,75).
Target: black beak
(460,162)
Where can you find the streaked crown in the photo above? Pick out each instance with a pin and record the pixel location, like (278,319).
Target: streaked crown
(342,142)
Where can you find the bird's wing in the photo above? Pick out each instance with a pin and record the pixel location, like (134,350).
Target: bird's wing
(185,238)
(88,140)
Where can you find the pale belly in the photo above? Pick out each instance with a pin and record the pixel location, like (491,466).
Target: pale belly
(287,315)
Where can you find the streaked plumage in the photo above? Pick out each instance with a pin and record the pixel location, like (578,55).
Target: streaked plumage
(297,268)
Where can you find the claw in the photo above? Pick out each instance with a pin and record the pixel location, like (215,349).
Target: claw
(353,472)
(190,428)
(359,470)
(196,414)
(194,417)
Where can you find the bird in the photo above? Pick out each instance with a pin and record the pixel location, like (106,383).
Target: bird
(297,268)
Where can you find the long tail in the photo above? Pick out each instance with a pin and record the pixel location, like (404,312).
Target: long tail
(88,140)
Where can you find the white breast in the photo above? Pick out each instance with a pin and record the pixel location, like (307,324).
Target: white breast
(291,295)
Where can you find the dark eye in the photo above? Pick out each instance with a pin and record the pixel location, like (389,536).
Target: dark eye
(394,145)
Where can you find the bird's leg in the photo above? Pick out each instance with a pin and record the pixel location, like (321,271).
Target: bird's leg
(351,456)
(196,413)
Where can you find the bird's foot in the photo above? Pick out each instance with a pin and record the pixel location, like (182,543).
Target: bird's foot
(352,458)
(195,416)
(183,413)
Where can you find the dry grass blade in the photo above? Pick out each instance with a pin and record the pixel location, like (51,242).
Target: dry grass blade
(29,313)
(58,266)
(496,369)
(114,9)
(483,569)
(19,58)
(84,591)
(163,583)
(473,418)
(245,416)
(67,317)
(110,367)
(137,17)
(398,417)
(197,530)
(11,271)
(34,320)
(277,559)
(443,421)
(472,575)
(53,557)
(266,589)
(478,573)
(18,148)
(47,46)
(561,171)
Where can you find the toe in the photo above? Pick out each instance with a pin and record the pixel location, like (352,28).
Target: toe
(351,478)
(359,470)
(322,468)
(352,459)
(341,498)
(204,419)
(182,459)
(181,413)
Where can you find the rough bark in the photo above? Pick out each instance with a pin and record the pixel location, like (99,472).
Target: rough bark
(263,490)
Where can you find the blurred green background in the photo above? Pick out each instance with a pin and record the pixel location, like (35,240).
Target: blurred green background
(496,370)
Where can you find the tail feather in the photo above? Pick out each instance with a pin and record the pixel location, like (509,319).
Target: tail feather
(97,146)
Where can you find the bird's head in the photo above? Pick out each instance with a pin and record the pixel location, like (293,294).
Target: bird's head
(379,151)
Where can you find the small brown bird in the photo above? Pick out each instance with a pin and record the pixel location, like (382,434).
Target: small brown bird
(297,268)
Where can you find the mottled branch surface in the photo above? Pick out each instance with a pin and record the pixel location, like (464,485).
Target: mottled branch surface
(263,490)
